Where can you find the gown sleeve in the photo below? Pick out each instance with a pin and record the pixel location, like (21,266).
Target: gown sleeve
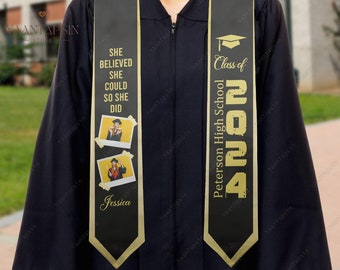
(291,230)
(54,229)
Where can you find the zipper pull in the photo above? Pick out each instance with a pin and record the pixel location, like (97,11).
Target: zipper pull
(173,27)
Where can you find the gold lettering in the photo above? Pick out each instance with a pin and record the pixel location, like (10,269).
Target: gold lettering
(236,122)
(218,194)
(239,89)
(222,62)
(115,63)
(116,74)
(237,185)
(122,97)
(233,158)
(242,65)
(110,86)
(108,202)
(115,52)
(116,108)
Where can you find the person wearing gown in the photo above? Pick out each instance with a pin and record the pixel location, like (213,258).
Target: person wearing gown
(114,132)
(54,232)
(116,171)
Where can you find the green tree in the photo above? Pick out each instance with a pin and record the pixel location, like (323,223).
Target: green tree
(334,33)
(15,52)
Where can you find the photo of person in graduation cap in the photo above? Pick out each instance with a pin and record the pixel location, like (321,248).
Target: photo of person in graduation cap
(115,131)
(117,170)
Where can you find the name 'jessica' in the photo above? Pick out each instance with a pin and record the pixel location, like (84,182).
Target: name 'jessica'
(108,202)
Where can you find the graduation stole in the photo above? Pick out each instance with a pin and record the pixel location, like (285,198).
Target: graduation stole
(231,214)
(116,200)
(116,178)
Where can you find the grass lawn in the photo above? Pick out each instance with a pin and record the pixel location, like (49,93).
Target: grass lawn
(21,112)
(318,108)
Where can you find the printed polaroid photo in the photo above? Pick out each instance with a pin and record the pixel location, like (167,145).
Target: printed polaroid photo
(116,170)
(116,131)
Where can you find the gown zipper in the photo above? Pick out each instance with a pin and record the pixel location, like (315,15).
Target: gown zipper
(173,78)
(173,28)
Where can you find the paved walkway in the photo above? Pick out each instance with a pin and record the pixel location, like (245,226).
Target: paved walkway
(324,140)
(9,230)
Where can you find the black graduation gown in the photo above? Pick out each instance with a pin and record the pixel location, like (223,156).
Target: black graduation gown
(54,233)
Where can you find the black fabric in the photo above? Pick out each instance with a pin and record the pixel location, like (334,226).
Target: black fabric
(54,233)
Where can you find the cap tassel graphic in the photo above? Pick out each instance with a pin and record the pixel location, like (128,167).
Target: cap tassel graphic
(229,41)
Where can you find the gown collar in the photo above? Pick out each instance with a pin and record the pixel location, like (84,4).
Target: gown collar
(196,10)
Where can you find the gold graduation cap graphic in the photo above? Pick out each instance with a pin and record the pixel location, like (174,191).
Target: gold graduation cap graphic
(229,41)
